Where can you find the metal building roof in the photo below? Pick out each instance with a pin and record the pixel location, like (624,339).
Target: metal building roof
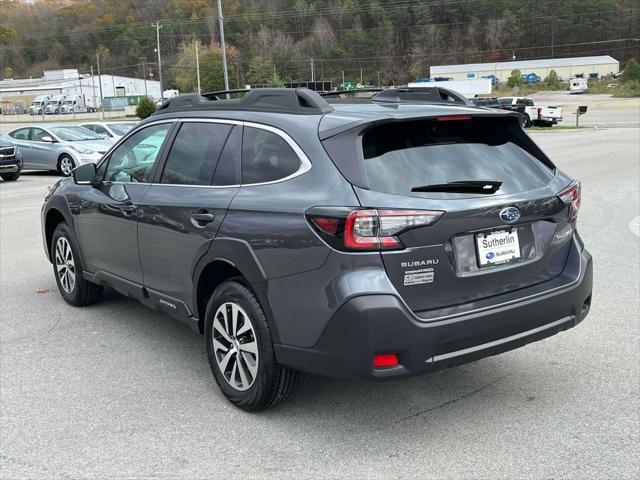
(525,64)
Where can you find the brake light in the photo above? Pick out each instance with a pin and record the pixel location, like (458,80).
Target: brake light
(571,196)
(449,118)
(367,229)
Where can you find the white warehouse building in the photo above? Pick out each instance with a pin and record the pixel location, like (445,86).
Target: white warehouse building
(564,67)
(69,82)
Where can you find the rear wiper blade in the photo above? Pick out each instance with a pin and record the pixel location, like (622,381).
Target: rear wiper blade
(464,186)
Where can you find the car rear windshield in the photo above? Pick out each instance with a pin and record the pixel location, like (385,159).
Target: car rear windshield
(396,157)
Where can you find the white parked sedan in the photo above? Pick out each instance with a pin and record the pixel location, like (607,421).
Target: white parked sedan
(58,147)
(114,130)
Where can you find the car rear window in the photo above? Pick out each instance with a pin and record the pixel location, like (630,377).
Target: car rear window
(395,157)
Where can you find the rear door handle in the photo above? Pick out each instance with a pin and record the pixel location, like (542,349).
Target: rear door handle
(202,219)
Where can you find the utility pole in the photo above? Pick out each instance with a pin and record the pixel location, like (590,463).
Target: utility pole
(360,75)
(158,27)
(312,72)
(100,84)
(343,79)
(144,76)
(378,78)
(93,84)
(224,50)
(198,65)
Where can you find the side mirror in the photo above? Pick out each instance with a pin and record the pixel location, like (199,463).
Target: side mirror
(85,174)
(48,139)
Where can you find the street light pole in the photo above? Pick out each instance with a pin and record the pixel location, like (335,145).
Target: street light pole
(158,27)
(224,50)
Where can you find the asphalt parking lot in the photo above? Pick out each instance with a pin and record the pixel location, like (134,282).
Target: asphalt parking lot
(119,391)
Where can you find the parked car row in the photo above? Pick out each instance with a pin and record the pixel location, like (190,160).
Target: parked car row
(57,147)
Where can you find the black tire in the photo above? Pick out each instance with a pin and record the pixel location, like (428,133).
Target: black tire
(63,158)
(83,291)
(10,177)
(273,383)
(526,121)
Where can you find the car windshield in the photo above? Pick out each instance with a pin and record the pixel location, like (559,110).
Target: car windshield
(74,134)
(69,102)
(121,128)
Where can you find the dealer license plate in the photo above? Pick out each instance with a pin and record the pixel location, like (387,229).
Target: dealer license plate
(500,246)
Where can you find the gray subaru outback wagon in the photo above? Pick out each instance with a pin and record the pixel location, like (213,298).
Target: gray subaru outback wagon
(384,238)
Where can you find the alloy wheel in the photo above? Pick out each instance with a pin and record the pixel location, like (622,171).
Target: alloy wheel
(65,266)
(66,166)
(235,346)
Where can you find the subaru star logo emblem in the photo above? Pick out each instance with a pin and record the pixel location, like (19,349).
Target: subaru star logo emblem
(509,214)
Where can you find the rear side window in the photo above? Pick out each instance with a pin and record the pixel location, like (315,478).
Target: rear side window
(400,156)
(21,134)
(266,157)
(194,154)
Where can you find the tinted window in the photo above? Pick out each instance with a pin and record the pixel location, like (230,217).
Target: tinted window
(228,169)
(21,134)
(133,160)
(505,101)
(400,156)
(100,130)
(194,154)
(37,134)
(266,157)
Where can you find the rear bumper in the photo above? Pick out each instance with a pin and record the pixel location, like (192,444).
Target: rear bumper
(376,324)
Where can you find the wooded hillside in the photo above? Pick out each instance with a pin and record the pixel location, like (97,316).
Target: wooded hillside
(394,39)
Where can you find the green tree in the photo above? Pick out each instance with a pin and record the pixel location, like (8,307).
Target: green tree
(7,34)
(552,81)
(211,71)
(631,71)
(515,79)
(145,108)
(262,70)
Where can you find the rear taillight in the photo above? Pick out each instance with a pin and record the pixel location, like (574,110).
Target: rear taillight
(571,196)
(367,229)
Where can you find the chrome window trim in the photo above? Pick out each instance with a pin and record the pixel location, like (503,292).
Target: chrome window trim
(305,163)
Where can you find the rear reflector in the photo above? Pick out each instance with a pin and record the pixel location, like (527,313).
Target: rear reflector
(385,360)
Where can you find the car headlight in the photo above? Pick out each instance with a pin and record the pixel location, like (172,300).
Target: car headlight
(81,149)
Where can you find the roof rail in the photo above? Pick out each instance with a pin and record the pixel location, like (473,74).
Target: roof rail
(299,101)
(421,95)
(339,93)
